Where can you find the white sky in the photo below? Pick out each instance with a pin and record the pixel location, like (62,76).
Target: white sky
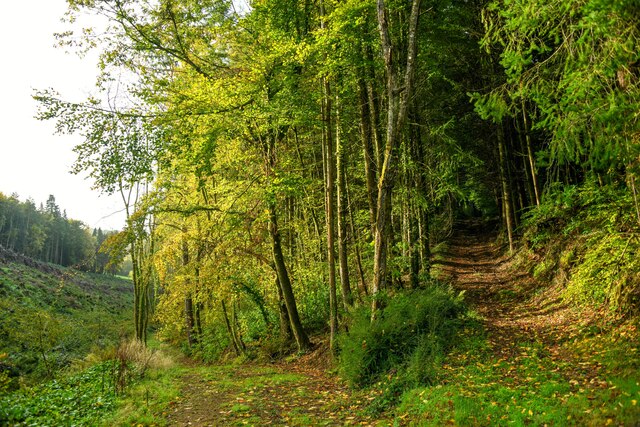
(33,161)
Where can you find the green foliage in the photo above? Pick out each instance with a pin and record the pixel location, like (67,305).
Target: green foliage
(81,399)
(213,343)
(607,272)
(410,336)
(588,232)
(314,297)
(576,63)
(91,397)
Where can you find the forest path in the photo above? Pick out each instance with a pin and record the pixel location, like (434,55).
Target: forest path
(517,310)
(537,361)
(292,394)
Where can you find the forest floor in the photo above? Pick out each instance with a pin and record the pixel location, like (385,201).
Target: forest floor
(534,361)
(514,307)
(294,394)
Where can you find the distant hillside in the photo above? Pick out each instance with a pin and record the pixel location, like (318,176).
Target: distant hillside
(51,316)
(39,284)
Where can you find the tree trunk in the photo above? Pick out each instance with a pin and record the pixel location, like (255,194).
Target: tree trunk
(374,109)
(235,326)
(268,143)
(285,324)
(285,283)
(329,171)
(532,166)
(198,302)
(188,301)
(329,168)
(345,286)
(189,319)
(362,284)
(398,98)
(229,329)
(506,191)
(370,165)
(421,249)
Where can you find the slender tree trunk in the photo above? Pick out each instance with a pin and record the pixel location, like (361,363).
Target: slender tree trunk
(198,302)
(235,326)
(532,166)
(506,191)
(312,211)
(425,250)
(329,167)
(189,319)
(529,191)
(302,340)
(229,329)
(188,300)
(374,108)
(362,284)
(136,291)
(398,98)
(345,286)
(422,251)
(370,165)
(198,318)
(329,170)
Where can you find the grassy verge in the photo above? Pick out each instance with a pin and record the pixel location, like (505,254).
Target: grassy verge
(146,402)
(133,388)
(592,380)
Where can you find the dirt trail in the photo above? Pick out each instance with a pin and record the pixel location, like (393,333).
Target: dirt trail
(512,304)
(294,394)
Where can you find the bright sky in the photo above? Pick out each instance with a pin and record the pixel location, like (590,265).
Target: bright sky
(33,161)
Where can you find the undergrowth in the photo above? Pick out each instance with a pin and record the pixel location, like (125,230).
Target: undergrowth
(588,238)
(49,320)
(80,399)
(88,396)
(406,343)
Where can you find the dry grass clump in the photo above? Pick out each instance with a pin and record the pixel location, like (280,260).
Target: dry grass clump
(142,357)
(133,359)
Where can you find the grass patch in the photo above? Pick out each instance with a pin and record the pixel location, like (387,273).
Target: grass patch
(51,319)
(147,401)
(532,387)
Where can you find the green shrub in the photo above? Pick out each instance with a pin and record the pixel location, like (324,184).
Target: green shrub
(213,342)
(607,273)
(409,338)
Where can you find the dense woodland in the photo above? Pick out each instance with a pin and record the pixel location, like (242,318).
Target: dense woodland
(287,168)
(298,151)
